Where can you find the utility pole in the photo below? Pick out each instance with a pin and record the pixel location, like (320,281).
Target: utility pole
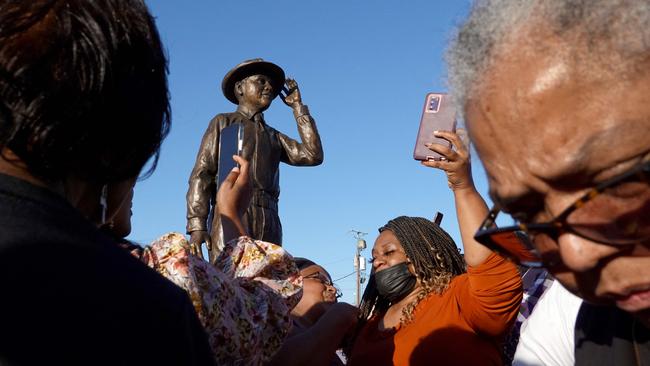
(359,261)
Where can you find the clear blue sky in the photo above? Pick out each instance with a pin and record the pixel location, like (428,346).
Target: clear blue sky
(363,67)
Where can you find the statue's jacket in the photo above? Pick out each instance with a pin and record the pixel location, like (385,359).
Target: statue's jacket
(264,147)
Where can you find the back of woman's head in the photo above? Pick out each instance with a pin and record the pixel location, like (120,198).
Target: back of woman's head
(433,253)
(303,263)
(83,87)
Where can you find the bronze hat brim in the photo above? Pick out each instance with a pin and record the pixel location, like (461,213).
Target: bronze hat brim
(248,68)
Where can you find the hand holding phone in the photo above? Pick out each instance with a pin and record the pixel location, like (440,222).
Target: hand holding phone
(234,195)
(438,114)
(456,163)
(290,93)
(233,199)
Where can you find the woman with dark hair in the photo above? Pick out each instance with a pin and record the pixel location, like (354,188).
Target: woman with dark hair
(76,77)
(320,324)
(427,304)
(318,294)
(431,255)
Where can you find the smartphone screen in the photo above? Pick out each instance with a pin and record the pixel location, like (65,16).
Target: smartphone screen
(230,143)
(438,114)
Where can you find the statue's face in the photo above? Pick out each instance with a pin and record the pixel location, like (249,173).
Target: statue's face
(255,92)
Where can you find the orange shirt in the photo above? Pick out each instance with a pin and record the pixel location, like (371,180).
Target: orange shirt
(462,326)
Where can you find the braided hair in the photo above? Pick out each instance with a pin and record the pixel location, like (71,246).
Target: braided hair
(434,255)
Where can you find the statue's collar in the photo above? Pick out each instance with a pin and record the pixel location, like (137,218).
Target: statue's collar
(246,112)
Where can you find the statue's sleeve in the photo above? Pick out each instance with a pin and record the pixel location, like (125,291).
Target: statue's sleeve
(310,150)
(201,182)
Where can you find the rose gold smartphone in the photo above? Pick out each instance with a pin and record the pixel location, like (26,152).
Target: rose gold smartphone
(438,114)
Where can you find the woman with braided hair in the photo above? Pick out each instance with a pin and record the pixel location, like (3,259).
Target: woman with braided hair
(427,304)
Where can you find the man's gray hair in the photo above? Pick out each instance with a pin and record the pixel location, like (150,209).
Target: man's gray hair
(618,27)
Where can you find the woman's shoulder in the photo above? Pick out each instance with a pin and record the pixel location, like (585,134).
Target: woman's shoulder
(437,302)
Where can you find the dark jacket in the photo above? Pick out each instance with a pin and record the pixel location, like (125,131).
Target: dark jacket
(71,296)
(607,335)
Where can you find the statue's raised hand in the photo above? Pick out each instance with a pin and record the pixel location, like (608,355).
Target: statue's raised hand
(290,94)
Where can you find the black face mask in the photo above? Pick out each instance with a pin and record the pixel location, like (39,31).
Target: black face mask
(395,283)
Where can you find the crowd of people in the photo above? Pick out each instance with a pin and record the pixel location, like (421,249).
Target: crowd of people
(555,95)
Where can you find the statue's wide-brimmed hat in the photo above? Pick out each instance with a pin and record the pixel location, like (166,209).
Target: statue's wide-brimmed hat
(256,66)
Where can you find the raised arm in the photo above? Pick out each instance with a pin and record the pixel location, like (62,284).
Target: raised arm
(470,206)
(233,199)
(243,300)
(309,151)
(494,293)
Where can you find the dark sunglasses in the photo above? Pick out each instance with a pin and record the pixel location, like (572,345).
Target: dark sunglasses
(615,212)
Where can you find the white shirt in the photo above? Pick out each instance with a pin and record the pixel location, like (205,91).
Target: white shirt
(547,336)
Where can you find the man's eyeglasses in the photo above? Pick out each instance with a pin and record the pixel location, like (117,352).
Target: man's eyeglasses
(325,281)
(615,212)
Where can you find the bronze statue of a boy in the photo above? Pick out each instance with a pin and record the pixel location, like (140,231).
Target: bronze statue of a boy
(252,85)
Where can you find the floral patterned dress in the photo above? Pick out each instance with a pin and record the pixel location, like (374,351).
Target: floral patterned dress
(243,301)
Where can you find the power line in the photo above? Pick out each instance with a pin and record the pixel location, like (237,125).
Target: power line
(336,261)
(347,275)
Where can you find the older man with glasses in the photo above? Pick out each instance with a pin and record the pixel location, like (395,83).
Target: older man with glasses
(556,97)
